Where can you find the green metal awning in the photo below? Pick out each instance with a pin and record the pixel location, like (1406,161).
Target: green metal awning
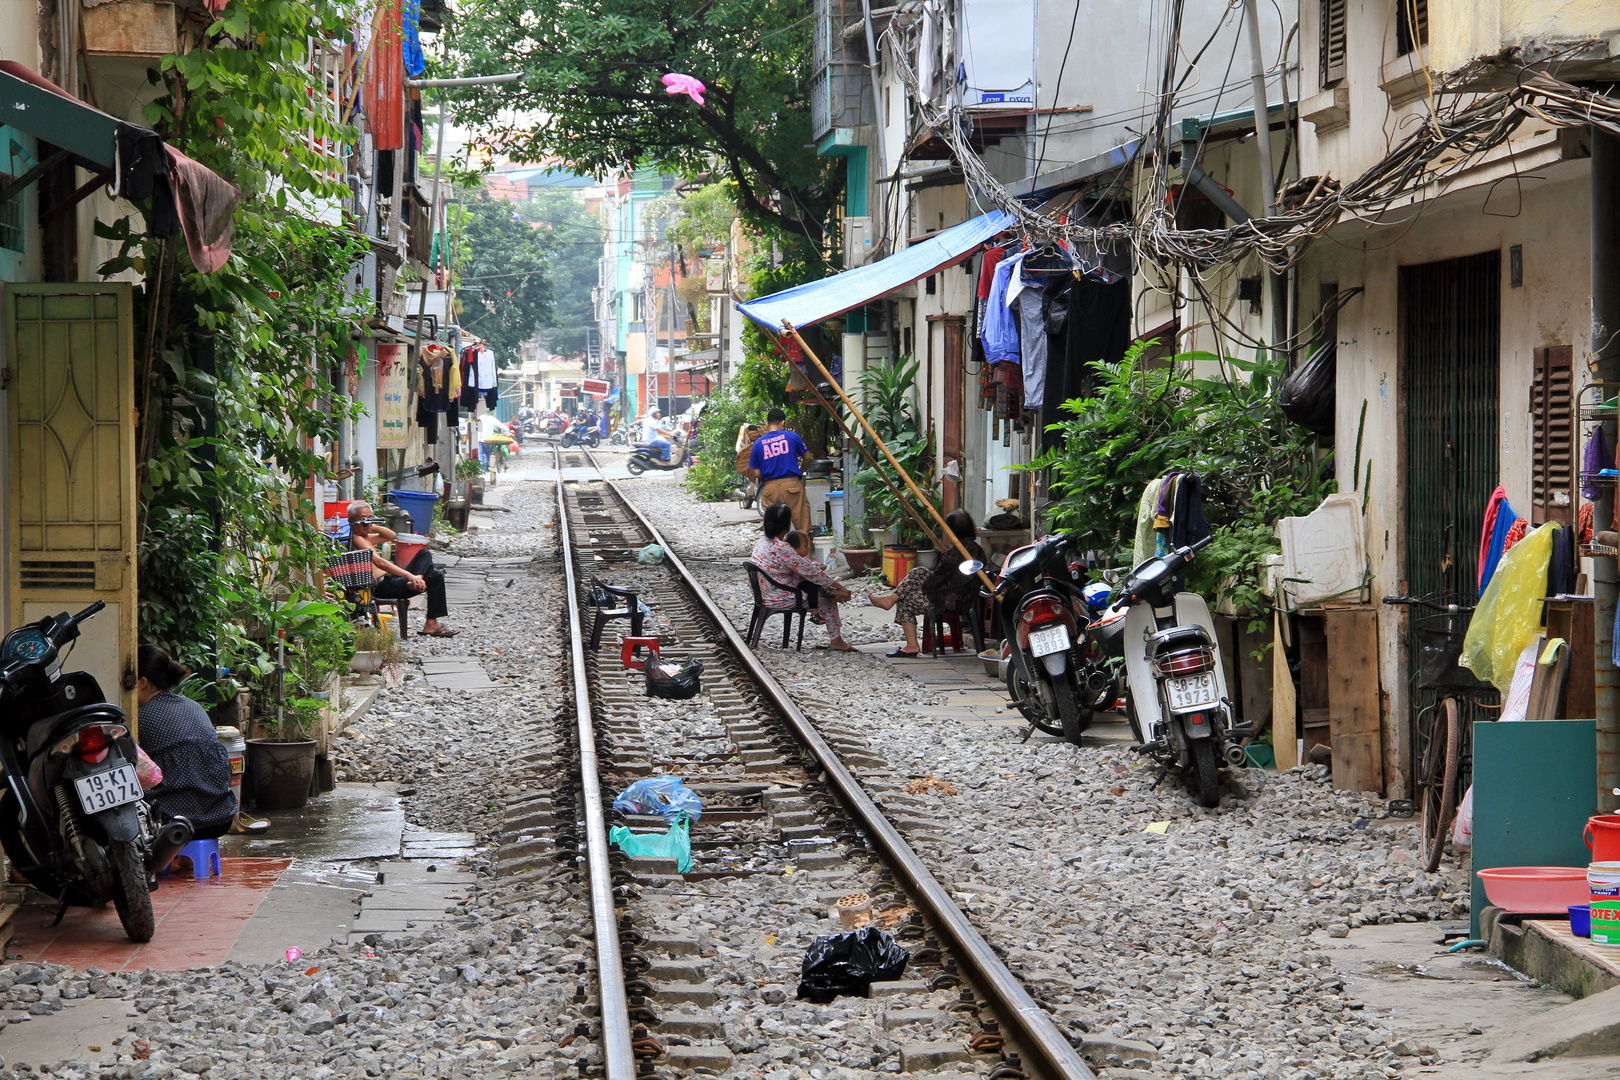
(1230,121)
(29,103)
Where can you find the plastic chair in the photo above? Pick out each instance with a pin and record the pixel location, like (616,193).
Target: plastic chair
(936,621)
(204,856)
(806,596)
(602,595)
(352,570)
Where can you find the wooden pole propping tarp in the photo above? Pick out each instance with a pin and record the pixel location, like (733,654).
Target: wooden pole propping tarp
(922,500)
(921,522)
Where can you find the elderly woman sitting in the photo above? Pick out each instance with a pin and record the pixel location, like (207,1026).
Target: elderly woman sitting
(945,587)
(773,555)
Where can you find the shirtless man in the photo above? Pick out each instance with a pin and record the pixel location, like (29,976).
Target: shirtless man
(395,583)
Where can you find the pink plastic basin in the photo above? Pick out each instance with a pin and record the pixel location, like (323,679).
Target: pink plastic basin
(1540,889)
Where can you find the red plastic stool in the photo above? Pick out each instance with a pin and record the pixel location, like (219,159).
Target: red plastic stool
(627,651)
(951,639)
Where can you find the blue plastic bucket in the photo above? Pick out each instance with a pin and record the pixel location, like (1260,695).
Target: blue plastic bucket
(418,504)
(1580,920)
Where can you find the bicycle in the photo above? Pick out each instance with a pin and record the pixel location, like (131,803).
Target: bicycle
(1442,739)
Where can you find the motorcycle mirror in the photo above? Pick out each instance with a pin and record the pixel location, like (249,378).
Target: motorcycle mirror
(1111,576)
(970,567)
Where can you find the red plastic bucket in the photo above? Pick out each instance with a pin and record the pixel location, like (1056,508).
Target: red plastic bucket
(1602,836)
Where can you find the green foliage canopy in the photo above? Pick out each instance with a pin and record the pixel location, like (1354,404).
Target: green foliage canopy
(593,71)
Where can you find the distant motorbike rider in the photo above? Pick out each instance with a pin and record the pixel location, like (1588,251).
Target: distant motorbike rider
(656,435)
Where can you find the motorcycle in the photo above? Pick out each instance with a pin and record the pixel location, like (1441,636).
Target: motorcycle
(644,457)
(584,434)
(72,817)
(1178,706)
(1041,619)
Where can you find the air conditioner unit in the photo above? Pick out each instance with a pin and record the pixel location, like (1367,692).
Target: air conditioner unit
(857,241)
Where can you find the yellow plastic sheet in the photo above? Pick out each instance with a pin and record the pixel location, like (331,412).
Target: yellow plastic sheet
(1509,614)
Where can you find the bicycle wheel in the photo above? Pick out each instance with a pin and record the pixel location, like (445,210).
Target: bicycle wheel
(1439,780)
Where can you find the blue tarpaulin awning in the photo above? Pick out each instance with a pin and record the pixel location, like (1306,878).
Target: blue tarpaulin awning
(805,305)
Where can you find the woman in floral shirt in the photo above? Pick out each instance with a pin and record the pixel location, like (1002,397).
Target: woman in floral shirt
(779,561)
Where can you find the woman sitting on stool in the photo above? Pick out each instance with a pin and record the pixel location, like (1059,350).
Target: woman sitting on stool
(176,733)
(945,586)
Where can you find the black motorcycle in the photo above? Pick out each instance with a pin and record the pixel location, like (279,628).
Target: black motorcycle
(582,434)
(1041,620)
(72,817)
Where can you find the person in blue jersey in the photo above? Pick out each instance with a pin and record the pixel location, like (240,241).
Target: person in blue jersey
(777,459)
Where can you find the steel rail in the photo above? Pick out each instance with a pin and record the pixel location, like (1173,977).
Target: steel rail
(1041,1043)
(617,1054)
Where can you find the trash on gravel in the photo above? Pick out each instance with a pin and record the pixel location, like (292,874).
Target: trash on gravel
(1160,827)
(849,964)
(931,783)
(652,553)
(665,796)
(294,954)
(674,843)
(675,683)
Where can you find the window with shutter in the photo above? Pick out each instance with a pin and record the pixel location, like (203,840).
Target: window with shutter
(1332,34)
(1411,25)
(1552,436)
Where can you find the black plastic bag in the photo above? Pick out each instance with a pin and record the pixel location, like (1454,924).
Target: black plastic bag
(1306,397)
(849,964)
(677,684)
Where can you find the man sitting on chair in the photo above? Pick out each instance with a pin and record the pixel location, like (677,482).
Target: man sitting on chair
(394,583)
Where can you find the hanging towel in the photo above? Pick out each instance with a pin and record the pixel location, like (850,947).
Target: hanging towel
(1145,535)
(1594,461)
(1515,533)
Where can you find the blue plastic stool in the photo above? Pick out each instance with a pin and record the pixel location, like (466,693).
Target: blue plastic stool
(204,856)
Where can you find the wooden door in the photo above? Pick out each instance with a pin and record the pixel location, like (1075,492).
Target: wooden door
(69,380)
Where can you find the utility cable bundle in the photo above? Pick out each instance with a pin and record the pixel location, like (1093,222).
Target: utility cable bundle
(1449,143)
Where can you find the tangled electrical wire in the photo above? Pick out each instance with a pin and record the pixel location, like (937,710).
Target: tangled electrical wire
(1449,143)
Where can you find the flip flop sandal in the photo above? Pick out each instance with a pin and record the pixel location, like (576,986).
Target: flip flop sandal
(440,633)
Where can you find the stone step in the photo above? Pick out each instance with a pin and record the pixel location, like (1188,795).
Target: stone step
(712,1056)
(684,971)
(704,995)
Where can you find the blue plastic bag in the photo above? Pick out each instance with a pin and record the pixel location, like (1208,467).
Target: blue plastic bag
(675,843)
(665,796)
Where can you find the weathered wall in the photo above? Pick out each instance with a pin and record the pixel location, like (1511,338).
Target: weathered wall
(1549,309)
(1463,30)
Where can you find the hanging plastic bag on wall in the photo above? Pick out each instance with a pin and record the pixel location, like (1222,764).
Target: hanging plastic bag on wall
(849,964)
(1509,614)
(665,796)
(1462,830)
(1307,395)
(674,843)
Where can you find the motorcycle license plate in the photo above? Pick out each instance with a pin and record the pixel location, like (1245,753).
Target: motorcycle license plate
(103,791)
(1192,692)
(1052,639)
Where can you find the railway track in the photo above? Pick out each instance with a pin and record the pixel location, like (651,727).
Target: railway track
(697,971)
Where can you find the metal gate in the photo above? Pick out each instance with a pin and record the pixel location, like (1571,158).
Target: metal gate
(1451,332)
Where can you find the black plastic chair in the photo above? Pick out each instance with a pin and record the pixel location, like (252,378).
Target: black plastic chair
(934,622)
(602,595)
(806,596)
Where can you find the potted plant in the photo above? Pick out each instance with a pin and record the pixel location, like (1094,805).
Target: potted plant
(375,650)
(858,552)
(281,765)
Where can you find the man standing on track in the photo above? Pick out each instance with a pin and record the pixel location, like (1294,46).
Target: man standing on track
(776,459)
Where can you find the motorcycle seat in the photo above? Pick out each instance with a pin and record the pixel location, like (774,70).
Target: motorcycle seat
(43,733)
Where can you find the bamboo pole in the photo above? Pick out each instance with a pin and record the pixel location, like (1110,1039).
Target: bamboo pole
(921,498)
(867,454)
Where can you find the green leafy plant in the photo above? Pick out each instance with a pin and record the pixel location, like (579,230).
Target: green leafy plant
(469,468)
(323,650)
(886,402)
(1140,424)
(299,717)
(714,475)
